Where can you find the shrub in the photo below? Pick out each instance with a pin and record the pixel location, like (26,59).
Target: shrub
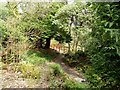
(56,69)
(29,70)
(77,59)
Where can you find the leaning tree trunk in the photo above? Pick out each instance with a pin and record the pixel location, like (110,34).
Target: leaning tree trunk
(47,45)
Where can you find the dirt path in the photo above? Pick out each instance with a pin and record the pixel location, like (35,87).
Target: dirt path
(10,79)
(13,80)
(70,71)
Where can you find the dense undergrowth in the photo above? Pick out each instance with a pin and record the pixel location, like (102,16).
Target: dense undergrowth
(82,62)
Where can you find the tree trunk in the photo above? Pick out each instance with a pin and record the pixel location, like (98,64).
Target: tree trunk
(70,28)
(76,46)
(76,43)
(47,45)
(39,43)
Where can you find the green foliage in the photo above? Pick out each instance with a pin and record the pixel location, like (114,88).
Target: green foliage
(59,78)
(103,48)
(93,78)
(38,25)
(69,83)
(3,11)
(13,41)
(98,37)
(78,59)
(56,69)
(37,57)
(75,20)
(72,84)
(91,30)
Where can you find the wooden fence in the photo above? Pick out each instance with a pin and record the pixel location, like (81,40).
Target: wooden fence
(60,48)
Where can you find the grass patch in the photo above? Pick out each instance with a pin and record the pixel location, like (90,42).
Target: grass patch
(56,68)
(28,70)
(68,83)
(38,57)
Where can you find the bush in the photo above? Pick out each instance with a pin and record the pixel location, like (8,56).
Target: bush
(80,53)
(56,69)
(29,70)
(77,59)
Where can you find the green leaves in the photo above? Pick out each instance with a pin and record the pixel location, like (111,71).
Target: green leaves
(104,50)
(111,24)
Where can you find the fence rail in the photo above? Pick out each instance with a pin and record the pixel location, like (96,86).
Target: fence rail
(60,48)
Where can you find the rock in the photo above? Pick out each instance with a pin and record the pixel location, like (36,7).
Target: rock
(80,79)
(19,73)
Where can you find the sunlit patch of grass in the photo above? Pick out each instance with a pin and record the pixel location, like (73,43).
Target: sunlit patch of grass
(37,57)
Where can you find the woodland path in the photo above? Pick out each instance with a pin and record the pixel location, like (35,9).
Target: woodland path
(12,80)
(72,73)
